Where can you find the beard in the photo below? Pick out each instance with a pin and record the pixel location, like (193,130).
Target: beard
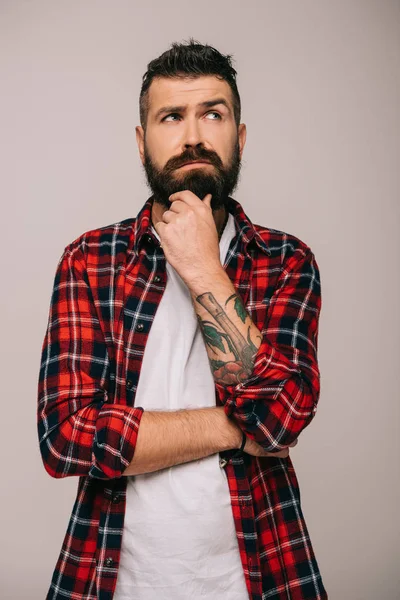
(217,180)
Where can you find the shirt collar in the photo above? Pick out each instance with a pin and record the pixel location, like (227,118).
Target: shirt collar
(247,231)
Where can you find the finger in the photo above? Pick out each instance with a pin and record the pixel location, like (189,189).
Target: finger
(296,441)
(281,454)
(178,206)
(168,216)
(185,196)
(207,200)
(284,453)
(159,227)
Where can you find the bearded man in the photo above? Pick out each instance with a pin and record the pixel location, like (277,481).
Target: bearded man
(179,366)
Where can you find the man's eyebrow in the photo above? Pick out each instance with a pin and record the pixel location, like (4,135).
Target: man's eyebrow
(205,104)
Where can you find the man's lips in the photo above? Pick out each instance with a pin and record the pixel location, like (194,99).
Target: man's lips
(195,162)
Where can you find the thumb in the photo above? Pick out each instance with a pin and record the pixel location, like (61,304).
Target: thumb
(207,199)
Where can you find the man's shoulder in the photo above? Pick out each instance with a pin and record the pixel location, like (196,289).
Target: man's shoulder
(107,239)
(282,244)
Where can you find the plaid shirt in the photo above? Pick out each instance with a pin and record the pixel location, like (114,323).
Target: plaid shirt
(107,287)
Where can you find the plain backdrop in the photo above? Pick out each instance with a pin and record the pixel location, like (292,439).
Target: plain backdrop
(320,88)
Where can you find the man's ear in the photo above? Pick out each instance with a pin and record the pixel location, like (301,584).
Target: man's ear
(140,141)
(242,133)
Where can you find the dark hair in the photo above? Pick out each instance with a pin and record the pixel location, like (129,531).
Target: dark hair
(190,60)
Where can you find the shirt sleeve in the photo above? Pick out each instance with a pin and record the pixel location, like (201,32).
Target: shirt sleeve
(82,430)
(280,397)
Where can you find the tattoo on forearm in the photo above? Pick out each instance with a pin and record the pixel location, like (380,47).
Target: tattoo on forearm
(228,339)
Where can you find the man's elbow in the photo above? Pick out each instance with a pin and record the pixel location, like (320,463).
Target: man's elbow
(59,463)
(275,423)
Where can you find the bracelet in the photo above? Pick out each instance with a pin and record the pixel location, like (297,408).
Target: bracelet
(240,450)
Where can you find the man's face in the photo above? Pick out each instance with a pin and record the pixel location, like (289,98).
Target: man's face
(181,127)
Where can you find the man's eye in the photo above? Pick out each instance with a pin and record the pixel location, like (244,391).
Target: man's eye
(214,113)
(170,115)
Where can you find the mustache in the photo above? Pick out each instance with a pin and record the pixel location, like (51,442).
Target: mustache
(191,155)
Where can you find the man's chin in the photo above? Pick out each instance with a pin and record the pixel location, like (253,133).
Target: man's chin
(194,180)
(194,174)
(199,186)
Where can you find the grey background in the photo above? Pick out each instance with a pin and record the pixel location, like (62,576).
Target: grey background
(319,83)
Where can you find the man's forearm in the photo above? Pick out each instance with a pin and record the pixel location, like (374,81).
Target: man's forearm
(231,338)
(169,438)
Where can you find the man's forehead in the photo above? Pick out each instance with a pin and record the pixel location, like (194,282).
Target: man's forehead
(166,90)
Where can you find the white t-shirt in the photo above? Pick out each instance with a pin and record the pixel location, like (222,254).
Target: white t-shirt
(179,539)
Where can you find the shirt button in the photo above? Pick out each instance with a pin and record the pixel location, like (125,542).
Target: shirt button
(116,498)
(109,562)
(139,327)
(149,239)
(222,462)
(129,384)
(157,279)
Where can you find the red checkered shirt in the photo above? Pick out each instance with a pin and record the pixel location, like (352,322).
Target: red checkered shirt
(107,287)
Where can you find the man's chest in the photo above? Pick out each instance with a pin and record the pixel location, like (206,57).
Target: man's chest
(127,292)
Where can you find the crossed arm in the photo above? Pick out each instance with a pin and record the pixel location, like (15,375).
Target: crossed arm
(81,432)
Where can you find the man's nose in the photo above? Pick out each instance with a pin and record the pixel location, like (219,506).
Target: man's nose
(192,133)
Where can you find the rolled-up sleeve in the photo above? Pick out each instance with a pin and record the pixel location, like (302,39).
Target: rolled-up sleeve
(82,430)
(279,399)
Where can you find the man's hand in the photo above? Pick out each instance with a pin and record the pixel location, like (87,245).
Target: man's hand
(255,449)
(251,447)
(189,236)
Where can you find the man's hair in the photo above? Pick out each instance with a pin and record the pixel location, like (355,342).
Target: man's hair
(189,60)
